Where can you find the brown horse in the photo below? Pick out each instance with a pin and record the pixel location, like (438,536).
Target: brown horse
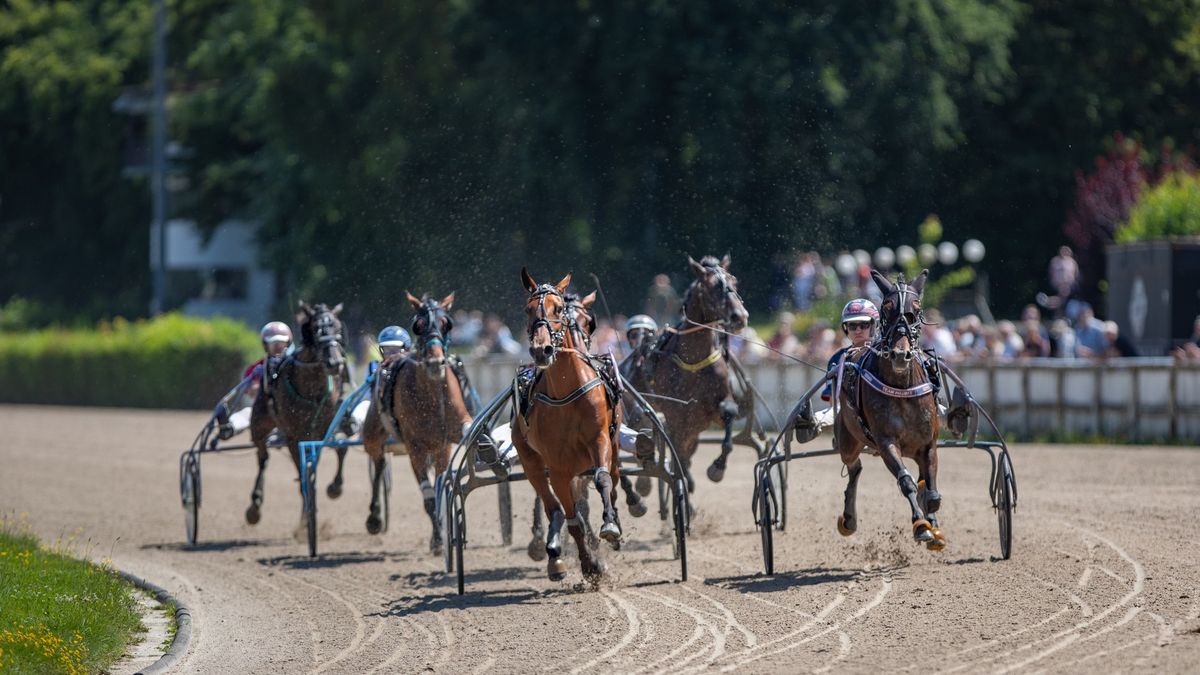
(569,427)
(415,400)
(300,395)
(888,404)
(689,367)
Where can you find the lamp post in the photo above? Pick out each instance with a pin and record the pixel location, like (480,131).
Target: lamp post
(158,169)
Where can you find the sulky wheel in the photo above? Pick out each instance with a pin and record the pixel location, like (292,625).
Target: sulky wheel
(766,523)
(310,506)
(447,517)
(459,540)
(506,513)
(189,490)
(1004,507)
(778,489)
(680,518)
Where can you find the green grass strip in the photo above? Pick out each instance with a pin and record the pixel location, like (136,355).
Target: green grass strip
(59,614)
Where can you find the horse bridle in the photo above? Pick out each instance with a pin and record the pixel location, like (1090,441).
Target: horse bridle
(572,309)
(325,332)
(727,293)
(892,329)
(556,335)
(433,314)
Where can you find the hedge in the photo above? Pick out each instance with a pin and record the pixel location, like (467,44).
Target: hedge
(169,362)
(1169,209)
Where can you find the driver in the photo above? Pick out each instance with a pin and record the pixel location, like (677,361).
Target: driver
(233,411)
(859,319)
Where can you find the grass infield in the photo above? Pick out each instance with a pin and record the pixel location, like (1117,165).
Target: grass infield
(58,613)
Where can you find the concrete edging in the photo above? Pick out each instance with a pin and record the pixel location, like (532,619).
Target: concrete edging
(183,624)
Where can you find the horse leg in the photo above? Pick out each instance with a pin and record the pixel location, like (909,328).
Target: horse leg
(535,473)
(848,521)
(581,508)
(922,531)
(536,549)
(418,456)
(254,511)
(334,489)
(928,496)
(562,483)
(729,411)
(633,500)
(610,531)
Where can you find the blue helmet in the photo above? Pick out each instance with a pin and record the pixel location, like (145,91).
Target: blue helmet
(394,336)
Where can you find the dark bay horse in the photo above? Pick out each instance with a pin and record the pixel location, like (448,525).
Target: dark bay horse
(689,366)
(569,427)
(888,405)
(300,395)
(416,399)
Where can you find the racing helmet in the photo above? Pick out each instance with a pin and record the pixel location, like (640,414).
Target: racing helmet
(859,310)
(640,321)
(276,331)
(394,336)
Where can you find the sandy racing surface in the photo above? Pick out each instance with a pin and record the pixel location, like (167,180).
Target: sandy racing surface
(1105,574)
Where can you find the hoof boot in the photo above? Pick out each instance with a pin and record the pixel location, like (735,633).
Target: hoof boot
(556,569)
(843,529)
(610,532)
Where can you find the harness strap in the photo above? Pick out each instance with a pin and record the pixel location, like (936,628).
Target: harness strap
(693,329)
(699,365)
(573,396)
(918,391)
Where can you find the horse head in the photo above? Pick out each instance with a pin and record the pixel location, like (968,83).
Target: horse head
(900,318)
(713,298)
(321,332)
(580,320)
(545,315)
(431,332)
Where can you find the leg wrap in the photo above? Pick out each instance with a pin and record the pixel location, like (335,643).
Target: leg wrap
(729,410)
(427,490)
(905,481)
(577,521)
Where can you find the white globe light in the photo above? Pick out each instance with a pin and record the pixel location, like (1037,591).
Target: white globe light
(905,255)
(973,250)
(884,258)
(947,253)
(846,265)
(927,253)
(862,256)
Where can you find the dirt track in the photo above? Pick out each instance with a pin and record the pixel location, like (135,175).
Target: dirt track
(1104,575)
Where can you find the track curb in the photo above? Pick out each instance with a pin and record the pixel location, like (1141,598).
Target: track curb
(183,624)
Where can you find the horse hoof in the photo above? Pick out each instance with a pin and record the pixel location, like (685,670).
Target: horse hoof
(374,524)
(253,514)
(636,509)
(922,531)
(593,542)
(556,569)
(435,546)
(334,490)
(939,541)
(715,473)
(610,532)
(844,529)
(643,486)
(536,550)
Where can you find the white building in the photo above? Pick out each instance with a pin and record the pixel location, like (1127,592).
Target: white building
(221,276)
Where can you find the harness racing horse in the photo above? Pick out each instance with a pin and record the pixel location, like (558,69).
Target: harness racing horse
(416,399)
(888,404)
(581,320)
(568,427)
(300,395)
(689,370)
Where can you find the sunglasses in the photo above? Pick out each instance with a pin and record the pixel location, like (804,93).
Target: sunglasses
(856,326)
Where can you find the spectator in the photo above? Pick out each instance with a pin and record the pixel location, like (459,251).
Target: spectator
(822,343)
(496,338)
(1190,350)
(784,339)
(1089,334)
(605,339)
(662,302)
(1009,344)
(1064,274)
(467,326)
(1116,345)
(804,280)
(1034,334)
(1064,339)
(940,337)
(747,347)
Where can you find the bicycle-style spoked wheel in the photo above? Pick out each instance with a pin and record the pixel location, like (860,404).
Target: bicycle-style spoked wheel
(310,506)
(766,525)
(1004,505)
(680,513)
(189,490)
